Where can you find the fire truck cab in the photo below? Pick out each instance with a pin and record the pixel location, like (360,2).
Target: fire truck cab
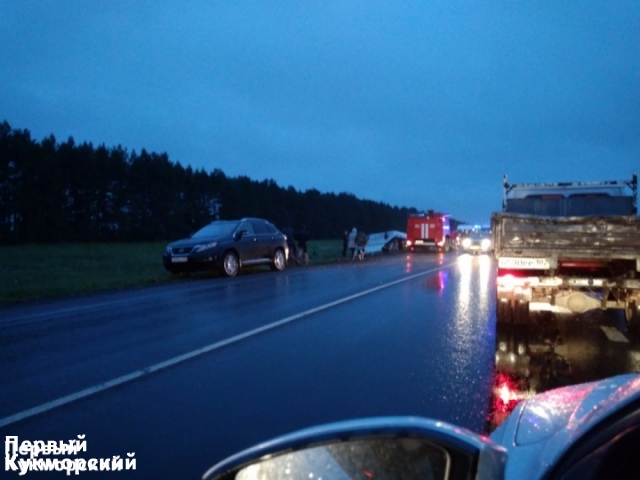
(429,231)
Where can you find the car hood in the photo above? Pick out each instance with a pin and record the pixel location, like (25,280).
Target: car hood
(479,238)
(541,428)
(192,242)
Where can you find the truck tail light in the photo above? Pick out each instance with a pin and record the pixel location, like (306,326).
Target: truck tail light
(511,281)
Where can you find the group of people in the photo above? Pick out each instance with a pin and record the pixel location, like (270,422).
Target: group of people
(297,243)
(356,241)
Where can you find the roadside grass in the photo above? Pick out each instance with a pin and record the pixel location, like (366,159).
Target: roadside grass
(34,272)
(31,272)
(324,251)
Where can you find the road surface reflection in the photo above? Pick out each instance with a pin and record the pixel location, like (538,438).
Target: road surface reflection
(554,351)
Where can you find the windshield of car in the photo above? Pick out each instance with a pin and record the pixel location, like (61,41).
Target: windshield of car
(216,229)
(480,234)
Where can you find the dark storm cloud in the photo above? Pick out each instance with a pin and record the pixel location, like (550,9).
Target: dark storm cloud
(421,104)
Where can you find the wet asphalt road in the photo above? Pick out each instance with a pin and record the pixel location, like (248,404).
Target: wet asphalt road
(398,335)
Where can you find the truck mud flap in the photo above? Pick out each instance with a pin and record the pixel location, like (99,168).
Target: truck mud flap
(512,311)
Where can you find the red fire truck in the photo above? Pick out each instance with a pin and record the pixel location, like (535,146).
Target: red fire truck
(429,231)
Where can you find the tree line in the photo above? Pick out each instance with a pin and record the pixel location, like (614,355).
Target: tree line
(65,192)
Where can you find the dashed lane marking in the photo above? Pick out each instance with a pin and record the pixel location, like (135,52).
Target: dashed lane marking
(614,334)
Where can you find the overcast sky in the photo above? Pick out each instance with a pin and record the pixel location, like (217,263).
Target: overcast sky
(420,104)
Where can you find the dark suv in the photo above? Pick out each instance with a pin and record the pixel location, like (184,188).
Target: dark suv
(228,245)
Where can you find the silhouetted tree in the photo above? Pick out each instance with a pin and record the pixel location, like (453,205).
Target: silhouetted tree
(52,192)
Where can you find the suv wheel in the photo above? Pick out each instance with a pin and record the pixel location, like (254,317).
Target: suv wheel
(279,261)
(230,264)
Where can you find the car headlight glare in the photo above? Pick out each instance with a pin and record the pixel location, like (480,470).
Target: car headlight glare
(205,246)
(485,244)
(466,243)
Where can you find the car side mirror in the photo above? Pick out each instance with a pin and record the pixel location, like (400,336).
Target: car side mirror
(385,447)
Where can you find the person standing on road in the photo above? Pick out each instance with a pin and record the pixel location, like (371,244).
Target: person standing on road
(361,244)
(352,242)
(345,243)
(302,238)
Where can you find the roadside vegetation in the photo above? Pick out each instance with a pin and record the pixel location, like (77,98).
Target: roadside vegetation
(39,271)
(59,192)
(79,218)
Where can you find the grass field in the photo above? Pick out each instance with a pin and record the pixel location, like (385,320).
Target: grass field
(32,272)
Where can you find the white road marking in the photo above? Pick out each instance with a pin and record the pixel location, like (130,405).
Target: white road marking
(195,353)
(614,334)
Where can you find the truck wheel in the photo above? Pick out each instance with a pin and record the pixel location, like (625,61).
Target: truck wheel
(503,312)
(521,313)
(632,317)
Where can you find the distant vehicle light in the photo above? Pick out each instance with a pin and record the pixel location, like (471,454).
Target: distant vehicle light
(466,243)
(408,243)
(485,244)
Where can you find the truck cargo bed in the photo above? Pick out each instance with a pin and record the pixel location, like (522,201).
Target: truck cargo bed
(596,237)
